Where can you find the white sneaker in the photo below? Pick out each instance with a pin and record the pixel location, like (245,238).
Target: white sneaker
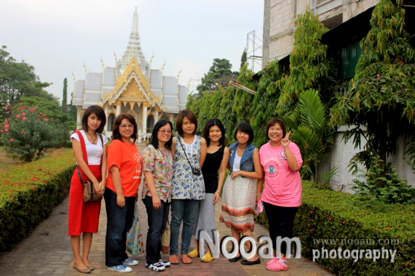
(165,263)
(130,262)
(120,268)
(156,266)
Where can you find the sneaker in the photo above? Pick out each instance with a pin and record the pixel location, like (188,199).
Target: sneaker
(277,264)
(120,268)
(130,262)
(165,263)
(156,266)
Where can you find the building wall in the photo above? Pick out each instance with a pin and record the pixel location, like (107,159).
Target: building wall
(280,16)
(341,153)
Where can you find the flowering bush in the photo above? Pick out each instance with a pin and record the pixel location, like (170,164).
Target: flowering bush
(27,133)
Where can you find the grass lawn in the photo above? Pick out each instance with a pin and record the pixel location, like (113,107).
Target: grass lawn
(7,162)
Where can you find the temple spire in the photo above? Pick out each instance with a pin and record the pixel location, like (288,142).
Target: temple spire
(134,49)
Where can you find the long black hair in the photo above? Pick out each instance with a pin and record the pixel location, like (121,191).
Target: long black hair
(154,140)
(206,129)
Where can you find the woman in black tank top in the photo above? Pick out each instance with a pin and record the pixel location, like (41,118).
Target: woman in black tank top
(217,159)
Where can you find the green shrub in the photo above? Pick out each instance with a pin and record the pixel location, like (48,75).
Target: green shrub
(382,184)
(28,133)
(335,217)
(28,194)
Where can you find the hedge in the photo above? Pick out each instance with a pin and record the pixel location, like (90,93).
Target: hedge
(28,194)
(341,220)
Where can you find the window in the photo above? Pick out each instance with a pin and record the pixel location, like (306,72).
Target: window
(349,57)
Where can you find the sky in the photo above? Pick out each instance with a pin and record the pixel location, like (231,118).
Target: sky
(58,37)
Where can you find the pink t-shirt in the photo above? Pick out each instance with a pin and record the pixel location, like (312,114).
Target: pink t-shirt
(283,187)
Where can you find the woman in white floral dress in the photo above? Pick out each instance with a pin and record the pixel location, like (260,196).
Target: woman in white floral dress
(188,187)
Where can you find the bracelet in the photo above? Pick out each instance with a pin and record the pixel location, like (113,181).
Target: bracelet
(217,191)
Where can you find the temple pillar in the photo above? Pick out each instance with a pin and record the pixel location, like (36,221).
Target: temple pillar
(106,112)
(156,117)
(78,118)
(118,111)
(144,121)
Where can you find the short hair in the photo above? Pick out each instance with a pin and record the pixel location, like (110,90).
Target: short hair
(97,110)
(154,140)
(245,127)
(179,121)
(274,121)
(116,128)
(210,123)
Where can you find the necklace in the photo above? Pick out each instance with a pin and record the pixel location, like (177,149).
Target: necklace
(92,140)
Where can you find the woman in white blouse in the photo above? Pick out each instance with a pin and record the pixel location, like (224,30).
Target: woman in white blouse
(89,147)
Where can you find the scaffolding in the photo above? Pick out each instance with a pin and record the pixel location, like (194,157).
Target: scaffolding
(253,50)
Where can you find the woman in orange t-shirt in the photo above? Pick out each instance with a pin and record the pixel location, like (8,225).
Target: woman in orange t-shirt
(124,164)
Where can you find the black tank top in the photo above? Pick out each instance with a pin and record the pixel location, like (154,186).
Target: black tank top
(210,170)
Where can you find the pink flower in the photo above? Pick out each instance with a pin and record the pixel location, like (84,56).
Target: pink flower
(19,108)
(21,103)
(7,126)
(7,130)
(6,121)
(36,107)
(24,114)
(24,119)
(1,131)
(46,119)
(11,139)
(18,116)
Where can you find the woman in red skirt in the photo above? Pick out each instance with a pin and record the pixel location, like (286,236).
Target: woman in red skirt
(89,146)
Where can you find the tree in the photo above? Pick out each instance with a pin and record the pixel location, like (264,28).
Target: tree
(65,96)
(243,100)
(18,79)
(220,73)
(244,58)
(309,67)
(265,101)
(382,93)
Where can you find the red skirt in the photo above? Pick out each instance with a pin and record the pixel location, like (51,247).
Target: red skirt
(82,216)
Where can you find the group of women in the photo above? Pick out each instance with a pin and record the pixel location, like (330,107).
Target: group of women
(185,174)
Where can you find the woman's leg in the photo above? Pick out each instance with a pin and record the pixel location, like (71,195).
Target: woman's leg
(249,245)
(76,248)
(177,212)
(285,222)
(188,221)
(155,223)
(87,241)
(236,235)
(271,212)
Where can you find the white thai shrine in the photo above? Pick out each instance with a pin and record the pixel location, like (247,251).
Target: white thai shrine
(131,87)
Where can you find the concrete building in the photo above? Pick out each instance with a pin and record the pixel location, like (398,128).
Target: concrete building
(131,87)
(280,16)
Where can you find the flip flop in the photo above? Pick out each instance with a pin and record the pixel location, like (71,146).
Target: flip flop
(186,259)
(173,259)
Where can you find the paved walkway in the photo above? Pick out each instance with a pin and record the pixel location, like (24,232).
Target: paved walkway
(47,251)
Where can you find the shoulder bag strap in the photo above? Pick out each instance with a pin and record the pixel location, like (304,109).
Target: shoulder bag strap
(184,151)
(84,152)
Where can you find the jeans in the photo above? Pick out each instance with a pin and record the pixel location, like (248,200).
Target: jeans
(119,221)
(281,223)
(182,210)
(157,220)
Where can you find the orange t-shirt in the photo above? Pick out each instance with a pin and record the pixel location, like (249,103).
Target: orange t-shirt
(128,160)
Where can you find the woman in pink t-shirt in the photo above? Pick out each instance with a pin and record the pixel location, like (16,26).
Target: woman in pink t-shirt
(281,161)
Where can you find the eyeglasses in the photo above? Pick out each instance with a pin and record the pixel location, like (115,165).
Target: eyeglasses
(126,126)
(165,131)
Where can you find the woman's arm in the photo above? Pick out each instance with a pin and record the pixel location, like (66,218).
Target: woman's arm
(153,191)
(103,170)
(291,160)
(173,147)
(222,173)
(203,151)
(77,150)
(116,180)
(257,174)
(259,189)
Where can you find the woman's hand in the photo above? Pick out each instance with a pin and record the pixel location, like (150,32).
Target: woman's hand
(286,140)
(235,174)
(216,197)
(258,197)
(156,202)
(121,201)
(102,187)
(97,187)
